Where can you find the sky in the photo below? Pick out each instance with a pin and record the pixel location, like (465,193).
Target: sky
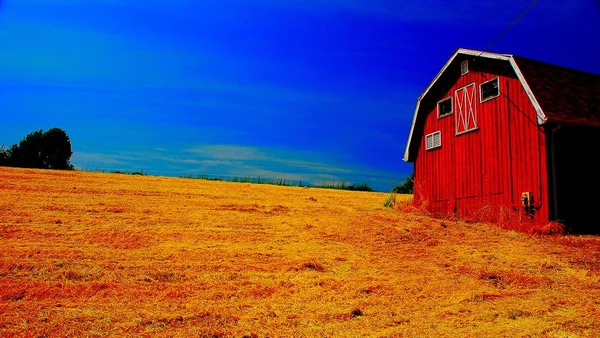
(305,90)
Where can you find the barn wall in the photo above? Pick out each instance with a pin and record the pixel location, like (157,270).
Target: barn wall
(482,173)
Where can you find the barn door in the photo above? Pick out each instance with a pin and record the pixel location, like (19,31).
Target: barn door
(467,155)
(466,107)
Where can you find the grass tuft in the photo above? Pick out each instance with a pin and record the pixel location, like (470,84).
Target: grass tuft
(390,201)
(344,186)
(311,266)
(356,313)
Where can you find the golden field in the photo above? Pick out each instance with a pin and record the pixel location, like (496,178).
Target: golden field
(112,255)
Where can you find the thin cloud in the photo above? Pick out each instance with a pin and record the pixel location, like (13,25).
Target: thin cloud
(82,159)
(227,152)
(292,160)
(229,160)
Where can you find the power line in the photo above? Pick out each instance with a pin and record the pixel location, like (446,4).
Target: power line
(510,26)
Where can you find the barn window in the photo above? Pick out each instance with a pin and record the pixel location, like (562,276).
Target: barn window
(464,67)
(489,90)
(444,107)
(433,140)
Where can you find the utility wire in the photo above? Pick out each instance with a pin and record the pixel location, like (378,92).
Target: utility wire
(510,26)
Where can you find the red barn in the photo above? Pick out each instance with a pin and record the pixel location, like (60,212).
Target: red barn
(498,135)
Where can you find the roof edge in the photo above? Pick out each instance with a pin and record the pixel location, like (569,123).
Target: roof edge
(541,117)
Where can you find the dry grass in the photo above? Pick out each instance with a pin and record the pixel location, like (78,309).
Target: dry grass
(106,255)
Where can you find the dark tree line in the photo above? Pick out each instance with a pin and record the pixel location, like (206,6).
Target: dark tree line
(407,187)
(39,149)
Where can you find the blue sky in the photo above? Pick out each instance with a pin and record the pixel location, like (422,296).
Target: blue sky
(312,90)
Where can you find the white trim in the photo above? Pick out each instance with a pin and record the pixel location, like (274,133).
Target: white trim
(467,131)
(412,128)
(467,109)
(541,117)
(481,100)
(487,55)
(464,64)
(434,144)
(451,107)
(475,53)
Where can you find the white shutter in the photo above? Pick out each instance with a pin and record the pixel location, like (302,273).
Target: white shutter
(433,140)
(437,139)
(464,67)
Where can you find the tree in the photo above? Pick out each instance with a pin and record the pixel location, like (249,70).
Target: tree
(39,149)
(56,150)
(407,187)
(3,155)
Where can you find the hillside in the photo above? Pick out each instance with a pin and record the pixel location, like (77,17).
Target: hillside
(110,255)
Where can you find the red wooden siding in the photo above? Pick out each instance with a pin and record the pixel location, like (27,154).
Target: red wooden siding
(475,172)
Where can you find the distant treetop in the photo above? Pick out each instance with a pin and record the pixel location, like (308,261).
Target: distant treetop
(39,149)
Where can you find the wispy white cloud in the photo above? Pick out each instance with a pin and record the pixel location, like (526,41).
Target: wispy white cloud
(272,156)
(227,152)
(236,160)
(86,160)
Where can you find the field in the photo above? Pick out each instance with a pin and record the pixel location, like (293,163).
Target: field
(113,255)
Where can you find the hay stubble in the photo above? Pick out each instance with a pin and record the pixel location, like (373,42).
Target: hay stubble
(92,254)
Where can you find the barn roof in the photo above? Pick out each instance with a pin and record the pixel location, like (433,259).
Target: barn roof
(558,94)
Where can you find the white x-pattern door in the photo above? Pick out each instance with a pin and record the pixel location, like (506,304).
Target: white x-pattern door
(465,100)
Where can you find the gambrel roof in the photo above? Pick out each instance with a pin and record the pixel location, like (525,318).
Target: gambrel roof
(558,94)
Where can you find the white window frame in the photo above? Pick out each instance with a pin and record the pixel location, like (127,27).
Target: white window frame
(433,143)
(481,99)
(451,107)
(464,65)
